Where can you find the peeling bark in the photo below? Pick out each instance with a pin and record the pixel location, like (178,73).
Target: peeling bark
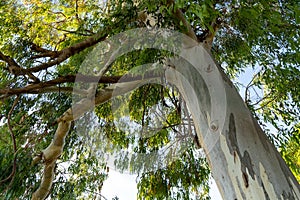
(244,163)
(49,157)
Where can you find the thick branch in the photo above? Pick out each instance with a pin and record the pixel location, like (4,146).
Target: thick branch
(179,15)
(63,79)
(43,52)
(51,90)
(70,51)
(48,85)
(209,37)
(190,32)
(207,40)
(51,54)
(8,60)
(16,69)
(50,155)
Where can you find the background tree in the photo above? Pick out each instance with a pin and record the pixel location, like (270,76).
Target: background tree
(43,44)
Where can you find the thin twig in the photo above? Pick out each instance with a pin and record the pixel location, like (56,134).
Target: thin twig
(250,84)
(97,193)
(13,138)
(267,103)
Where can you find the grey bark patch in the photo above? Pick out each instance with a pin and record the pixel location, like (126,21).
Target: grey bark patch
(247,163)
(231,136)
(233,146)
(288,196)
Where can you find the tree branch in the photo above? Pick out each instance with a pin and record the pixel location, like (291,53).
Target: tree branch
(12,135)
(179,15)
(190,32)
(39,49)
(47,86)
(16,69)
(70,51)
(52,89)
(63,79)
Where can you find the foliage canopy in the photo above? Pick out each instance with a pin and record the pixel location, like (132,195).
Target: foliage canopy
(43,44)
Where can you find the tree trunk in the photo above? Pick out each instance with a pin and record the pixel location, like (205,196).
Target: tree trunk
(244,163)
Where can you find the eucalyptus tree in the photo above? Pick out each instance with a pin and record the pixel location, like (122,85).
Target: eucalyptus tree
(53,52)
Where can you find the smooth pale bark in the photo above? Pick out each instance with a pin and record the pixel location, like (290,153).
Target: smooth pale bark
(243,161)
